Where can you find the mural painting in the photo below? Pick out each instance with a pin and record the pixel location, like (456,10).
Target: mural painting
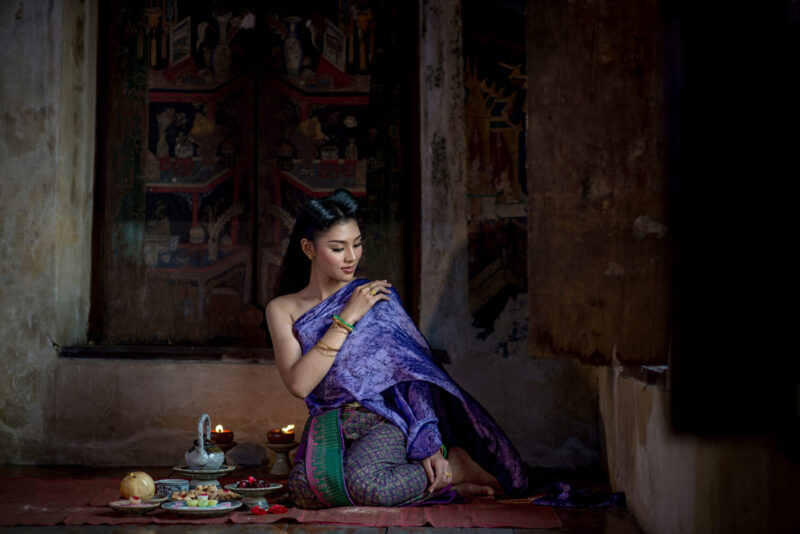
(223,117)
(339,98)
(199,163)
(495,83)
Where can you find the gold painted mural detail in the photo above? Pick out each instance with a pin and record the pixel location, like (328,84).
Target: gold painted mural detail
(495,86)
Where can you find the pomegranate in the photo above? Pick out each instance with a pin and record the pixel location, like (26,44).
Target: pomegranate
(137,484)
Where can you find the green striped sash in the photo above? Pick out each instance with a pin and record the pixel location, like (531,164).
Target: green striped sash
(324,459)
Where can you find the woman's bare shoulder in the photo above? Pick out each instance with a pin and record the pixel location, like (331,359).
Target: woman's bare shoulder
(288,307)
(283,305)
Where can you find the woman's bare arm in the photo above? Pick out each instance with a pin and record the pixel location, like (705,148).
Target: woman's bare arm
(300,372)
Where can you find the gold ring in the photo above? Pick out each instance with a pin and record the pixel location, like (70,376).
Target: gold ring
(373,292)
(447,474)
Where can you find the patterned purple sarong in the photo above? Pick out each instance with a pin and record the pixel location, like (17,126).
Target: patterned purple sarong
(376,470)
(385,365)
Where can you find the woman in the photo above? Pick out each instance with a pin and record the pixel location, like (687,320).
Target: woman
(388,427)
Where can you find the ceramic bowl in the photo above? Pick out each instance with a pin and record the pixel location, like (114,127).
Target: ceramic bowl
(255,496)
(168,486)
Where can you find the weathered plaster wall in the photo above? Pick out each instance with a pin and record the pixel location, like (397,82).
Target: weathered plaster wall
(680,483)
(75,169)
(597,247)
(547,407)
(444,307)
(30,92)
(115,412)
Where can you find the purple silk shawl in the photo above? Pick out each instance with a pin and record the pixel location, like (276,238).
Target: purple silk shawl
(385,364)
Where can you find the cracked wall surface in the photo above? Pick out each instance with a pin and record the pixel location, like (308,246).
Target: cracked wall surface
(29,114)
(677,482)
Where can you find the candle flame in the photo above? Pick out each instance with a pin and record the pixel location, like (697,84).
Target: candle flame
(219,428)
(287,428)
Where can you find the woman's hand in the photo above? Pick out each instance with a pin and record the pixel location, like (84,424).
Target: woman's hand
(438,470)
(364,298)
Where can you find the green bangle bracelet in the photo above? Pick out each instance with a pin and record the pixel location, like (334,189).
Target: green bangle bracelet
(344,322)
(444,450)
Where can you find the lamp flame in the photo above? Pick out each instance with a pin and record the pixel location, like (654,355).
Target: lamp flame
(287,428)
(219,428)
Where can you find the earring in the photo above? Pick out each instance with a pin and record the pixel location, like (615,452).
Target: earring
(311,257)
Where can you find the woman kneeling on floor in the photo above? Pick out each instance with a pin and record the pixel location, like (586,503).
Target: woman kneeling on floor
(387,426)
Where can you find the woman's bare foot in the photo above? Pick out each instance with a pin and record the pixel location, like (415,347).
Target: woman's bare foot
(470,489)
(467,471)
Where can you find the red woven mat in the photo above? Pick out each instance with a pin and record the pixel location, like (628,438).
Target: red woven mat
(30,501)
(479,513)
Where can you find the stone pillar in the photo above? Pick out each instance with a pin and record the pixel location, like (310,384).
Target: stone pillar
(444,310)
(47,105)
(75,171)
(30,52)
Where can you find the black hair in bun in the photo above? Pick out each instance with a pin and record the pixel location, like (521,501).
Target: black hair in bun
(322,214)
(318,216)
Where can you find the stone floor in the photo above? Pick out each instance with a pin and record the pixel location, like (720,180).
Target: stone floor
(576,521)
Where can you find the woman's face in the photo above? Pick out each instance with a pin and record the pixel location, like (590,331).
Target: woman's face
(338,251)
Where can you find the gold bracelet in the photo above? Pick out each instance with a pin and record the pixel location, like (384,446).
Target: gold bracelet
(341,324)
(340,327)
(324,346)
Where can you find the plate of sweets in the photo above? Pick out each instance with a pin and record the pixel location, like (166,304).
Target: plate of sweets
(135,506)
(202,506)
(213,492)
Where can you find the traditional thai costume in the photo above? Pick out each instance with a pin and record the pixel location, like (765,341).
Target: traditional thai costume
(384,406)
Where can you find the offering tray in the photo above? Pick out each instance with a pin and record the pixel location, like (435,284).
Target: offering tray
(181,508)
(282,465)
(255,496)
(204,476)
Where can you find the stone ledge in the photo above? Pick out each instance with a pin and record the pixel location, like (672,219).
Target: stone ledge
(171,353)
(190,353)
